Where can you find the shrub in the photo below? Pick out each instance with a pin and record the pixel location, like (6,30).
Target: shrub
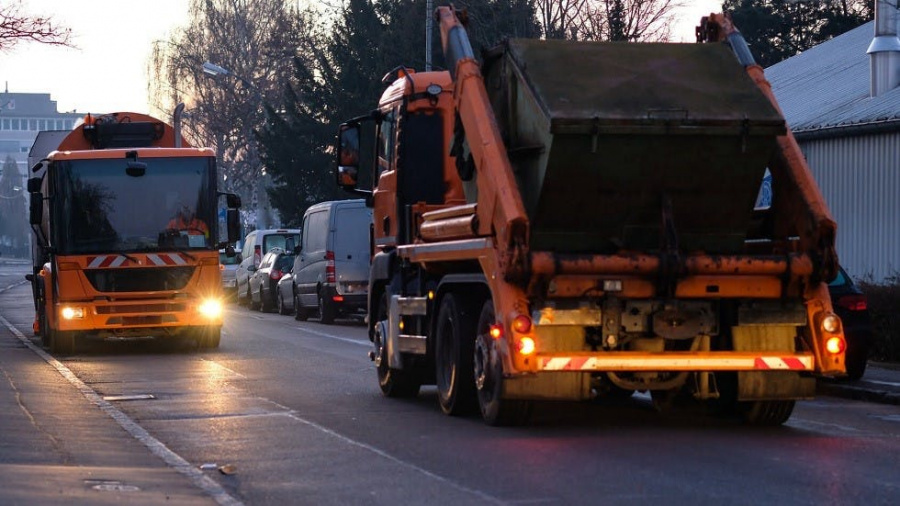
(884,308)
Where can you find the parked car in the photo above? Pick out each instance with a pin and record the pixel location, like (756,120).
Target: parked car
(256,245)
(284,294)
(229,267)
(851,305)
(264,279)
(331,270)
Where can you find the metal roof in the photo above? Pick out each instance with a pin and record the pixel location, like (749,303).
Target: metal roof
(827,86)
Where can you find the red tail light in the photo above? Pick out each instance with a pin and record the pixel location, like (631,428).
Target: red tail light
(853,302)
(257,255)
(276,275)
(329,267)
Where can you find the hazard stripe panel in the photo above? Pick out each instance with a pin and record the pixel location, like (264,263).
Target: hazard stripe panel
(103,261)
(678,361)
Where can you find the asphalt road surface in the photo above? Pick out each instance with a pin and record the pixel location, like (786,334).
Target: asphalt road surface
(288,412)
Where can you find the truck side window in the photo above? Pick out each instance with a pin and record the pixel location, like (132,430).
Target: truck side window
(385,149)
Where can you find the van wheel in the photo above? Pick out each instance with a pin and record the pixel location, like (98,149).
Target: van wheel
(326,310)
(300,312)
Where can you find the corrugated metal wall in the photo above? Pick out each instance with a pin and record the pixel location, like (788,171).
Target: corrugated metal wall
(860,180)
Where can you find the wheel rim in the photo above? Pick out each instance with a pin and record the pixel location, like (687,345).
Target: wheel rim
(482,360)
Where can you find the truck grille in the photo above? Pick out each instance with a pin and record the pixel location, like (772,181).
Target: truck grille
(139,280)
(140,308)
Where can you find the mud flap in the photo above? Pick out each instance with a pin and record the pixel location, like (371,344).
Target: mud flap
(774,385)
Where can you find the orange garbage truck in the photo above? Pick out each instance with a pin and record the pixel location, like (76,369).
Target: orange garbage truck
(126,232)
(574,220)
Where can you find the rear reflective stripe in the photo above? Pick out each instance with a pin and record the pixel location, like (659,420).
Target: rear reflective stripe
(611,362)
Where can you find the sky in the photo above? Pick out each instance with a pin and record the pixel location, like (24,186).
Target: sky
(107,71)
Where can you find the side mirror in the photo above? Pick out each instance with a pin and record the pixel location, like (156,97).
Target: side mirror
(229,251)
(36,208)
(348,155)
(30,277)
(232,200)
(297,249)
(233,223)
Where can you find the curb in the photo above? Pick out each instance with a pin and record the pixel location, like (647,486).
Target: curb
(858,393)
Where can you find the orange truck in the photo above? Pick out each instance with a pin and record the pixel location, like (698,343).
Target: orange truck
(126,229)
(574,220)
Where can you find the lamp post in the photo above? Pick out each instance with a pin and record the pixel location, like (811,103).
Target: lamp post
(264,218)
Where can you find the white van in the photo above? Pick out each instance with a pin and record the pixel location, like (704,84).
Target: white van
(331,270)
(257,244)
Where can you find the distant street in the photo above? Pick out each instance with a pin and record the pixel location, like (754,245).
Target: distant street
(289,412)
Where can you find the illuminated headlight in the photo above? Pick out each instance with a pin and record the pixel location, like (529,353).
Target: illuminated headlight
(211,308)
(70,313)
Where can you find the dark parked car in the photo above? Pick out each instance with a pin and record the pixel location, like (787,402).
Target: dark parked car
(851,305)
(264,279)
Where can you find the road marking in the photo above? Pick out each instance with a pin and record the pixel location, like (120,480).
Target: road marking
(10,287)
(172,459)
(888,383)
(332,336)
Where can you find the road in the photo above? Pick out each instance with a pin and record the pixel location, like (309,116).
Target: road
(289,412)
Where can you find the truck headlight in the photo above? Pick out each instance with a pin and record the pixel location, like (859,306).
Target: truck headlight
(210,308)
(71,313)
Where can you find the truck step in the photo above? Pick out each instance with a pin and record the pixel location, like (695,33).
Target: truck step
(412,306)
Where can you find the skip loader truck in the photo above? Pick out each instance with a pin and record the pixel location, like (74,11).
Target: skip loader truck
(573,220)
(125,221)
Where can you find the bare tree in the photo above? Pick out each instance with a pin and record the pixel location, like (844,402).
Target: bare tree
(18,26)
(622,20)
(255,40)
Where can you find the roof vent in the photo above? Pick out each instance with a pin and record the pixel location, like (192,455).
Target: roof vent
(884,51)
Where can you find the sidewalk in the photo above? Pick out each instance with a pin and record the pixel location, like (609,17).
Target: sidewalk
(880,383)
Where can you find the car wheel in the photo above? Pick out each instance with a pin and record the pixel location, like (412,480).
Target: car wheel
(280,304)
(255,306)
(856,361)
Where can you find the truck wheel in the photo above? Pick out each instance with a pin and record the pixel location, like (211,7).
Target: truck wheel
(211,337)
(300,312)
(393,382)
(766,413)
(454,352)
(489,378)
(62,343)
(326,310)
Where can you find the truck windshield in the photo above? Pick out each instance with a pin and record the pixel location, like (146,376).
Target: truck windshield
(104,206)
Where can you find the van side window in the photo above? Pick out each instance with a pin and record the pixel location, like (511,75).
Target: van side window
(317,227)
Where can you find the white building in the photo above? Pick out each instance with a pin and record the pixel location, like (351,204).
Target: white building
(22,116)
(842,101)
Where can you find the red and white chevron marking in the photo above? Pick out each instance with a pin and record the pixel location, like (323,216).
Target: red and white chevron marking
(722,362)
(166,259)
(105,261)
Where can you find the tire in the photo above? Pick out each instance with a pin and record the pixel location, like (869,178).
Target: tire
(454,356)
(300,312)
(245,300)
(856,361)
(326,310)
(280,304)
(212,337)
(45,330)
(395,383)
(766,413)
(489,379)
(253,305)
(266,302)
(61,342)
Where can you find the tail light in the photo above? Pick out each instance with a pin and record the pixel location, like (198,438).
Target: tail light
(257,255)
(856,302)
(835,345)
(275,274)
(329,267)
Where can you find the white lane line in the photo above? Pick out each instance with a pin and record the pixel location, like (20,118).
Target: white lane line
(888,383)
(10,287)
(172,459)
(332,336)
(220,366)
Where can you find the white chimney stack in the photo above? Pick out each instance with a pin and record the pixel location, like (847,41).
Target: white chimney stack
(884,51)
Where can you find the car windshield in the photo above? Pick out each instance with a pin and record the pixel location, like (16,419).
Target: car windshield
(103,205)
(840,280)
(225,260)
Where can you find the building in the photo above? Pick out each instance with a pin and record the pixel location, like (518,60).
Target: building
(842,101)
(22,116)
